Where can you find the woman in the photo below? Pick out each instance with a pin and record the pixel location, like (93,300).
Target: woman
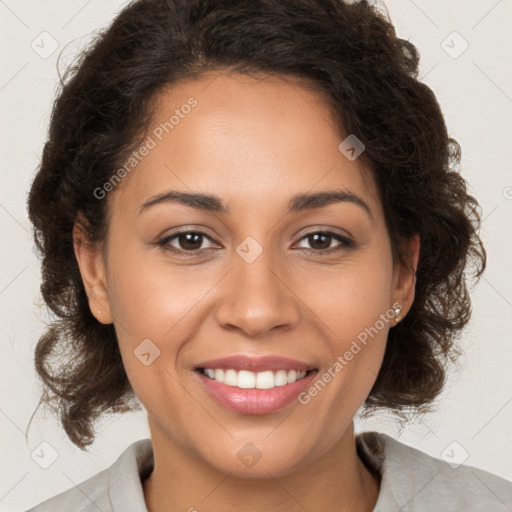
(251,223)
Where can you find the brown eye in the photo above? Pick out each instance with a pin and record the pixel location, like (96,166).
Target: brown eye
(321,241)
(190,241)
(185,242)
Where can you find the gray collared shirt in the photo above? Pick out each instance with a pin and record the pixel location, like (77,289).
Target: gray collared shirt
(411,481)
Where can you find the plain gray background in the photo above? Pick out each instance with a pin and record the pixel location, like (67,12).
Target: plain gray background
(474,87)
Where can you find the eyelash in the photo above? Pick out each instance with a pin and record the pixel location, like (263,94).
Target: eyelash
(345,243)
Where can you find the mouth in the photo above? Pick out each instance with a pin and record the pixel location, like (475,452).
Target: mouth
(245,379)
(255,385)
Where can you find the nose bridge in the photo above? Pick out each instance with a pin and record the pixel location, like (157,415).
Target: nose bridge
(255,297)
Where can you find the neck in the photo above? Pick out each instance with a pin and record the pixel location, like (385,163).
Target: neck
(337,480)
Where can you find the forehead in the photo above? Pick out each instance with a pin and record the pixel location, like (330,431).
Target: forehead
(245,139)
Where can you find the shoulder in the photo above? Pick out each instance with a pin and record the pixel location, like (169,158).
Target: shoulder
(117,488)
(413,481)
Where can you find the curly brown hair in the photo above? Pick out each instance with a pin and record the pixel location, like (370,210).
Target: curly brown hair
(349,51)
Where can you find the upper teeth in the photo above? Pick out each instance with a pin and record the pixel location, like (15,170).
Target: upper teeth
(249,380)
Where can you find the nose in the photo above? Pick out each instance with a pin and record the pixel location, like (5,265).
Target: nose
(257,297)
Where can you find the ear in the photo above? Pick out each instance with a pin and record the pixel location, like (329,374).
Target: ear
(90,260)
(404,278)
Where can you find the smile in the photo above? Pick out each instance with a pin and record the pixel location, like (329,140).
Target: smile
(257,386)
(245,379)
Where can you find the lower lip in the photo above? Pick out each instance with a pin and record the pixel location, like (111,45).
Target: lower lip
(255,401)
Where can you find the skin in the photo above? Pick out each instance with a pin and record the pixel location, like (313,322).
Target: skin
(255,144)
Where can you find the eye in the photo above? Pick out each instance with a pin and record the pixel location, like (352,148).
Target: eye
(185,242)
(191,242)
(321,241)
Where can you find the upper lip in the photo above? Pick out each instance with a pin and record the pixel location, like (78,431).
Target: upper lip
(256,364)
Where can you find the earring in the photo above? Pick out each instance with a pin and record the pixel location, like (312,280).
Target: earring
(398,313)
(99,311)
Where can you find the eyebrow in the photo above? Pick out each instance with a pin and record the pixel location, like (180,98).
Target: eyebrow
(298,203)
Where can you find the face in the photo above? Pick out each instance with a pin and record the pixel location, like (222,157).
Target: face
(265,289)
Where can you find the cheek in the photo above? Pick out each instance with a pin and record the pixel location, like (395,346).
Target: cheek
(350,299)
(149,296)
(155,315)
(155,310)
(355,314)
